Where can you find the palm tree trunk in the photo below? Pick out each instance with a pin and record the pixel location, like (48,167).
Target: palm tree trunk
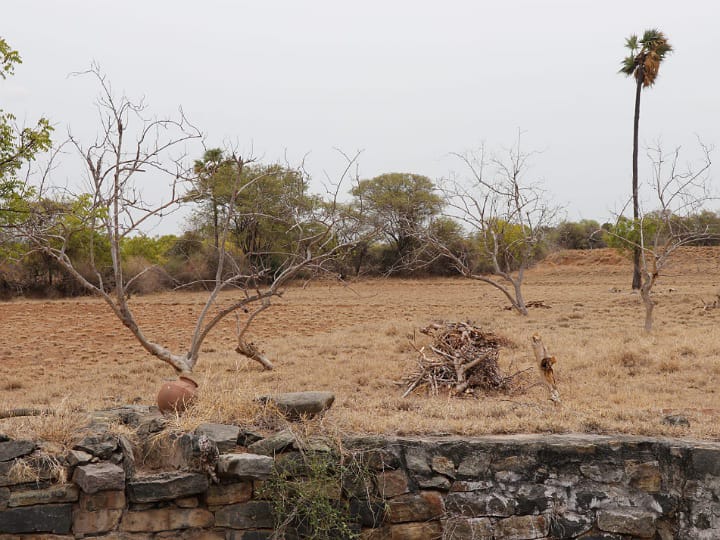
(216,230)
(636,204)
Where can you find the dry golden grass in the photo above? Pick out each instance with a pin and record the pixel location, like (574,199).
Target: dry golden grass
(354,341)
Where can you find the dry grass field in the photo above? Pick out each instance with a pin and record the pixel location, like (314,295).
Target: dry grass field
(73,355)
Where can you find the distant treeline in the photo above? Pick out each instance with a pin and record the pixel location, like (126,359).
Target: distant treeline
(187,261)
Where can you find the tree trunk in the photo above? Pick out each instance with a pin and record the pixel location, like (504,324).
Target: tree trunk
(216,224)
(519,300)
(360,257)
(636,204)
(645,293)
(649,306)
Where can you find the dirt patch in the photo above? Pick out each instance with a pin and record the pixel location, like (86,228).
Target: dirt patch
(593,257)
(355,341)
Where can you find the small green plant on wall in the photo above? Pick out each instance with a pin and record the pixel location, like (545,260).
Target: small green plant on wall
(306,491)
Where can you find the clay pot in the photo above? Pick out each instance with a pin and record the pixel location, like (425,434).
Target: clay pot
(176,396)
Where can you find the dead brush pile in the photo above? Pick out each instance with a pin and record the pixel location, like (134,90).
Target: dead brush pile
(462,359)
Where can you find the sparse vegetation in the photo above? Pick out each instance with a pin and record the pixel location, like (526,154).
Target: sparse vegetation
(306,491)
(353,340)
(256,231)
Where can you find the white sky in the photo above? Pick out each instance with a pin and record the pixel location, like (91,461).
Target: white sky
(408,82)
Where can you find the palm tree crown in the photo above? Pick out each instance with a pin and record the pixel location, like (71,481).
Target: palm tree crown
(645,56)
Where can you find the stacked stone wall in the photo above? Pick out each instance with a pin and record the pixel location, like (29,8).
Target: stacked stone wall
(521,487)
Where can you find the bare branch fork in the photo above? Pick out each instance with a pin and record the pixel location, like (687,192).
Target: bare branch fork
(130,146)
(505,216)
(679,192)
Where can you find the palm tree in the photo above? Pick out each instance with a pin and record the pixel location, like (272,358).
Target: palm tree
(209,186)
(643,63)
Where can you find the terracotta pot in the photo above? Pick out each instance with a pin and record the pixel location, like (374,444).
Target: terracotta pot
(176,396)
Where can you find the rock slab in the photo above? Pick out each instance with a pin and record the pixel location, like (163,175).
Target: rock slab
(166,486)
(166,519)
(254,514)
(101,445)
(54,494)
(15,449)
(46,518)
(273,444)
(99,477)
(245,466)
(223,435)
(295,405)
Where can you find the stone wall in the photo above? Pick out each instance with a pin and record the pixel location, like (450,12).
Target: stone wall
(514,487)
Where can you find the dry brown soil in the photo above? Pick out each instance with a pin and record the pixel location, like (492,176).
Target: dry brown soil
(354,340)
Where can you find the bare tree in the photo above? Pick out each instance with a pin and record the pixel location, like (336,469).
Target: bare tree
(132,147)
(507,219)
(679,193)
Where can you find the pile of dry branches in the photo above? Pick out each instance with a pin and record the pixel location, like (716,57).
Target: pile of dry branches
(462,359)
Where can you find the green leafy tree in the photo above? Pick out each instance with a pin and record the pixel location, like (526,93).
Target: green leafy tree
(213,186)
(273,200)
(642,63)
(18,146)
(259,205)
(448,232)
(401,206)
(154,250)
(584,234)
(65,221)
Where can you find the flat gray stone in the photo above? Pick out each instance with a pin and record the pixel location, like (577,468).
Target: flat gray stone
(100,445)
(54,494)
(474,465)
(44,518)
(245,466)
(313,444)
(225,436)
(99,477)
(247,437)
(166,486)
(77,457)
(253,514)
(154,422)
(602,472)
(273,444)
(705,461)
(418,460)
(295,405)
(434,482)
(15,449)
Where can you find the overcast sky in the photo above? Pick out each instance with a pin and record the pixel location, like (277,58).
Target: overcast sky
(407,82)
